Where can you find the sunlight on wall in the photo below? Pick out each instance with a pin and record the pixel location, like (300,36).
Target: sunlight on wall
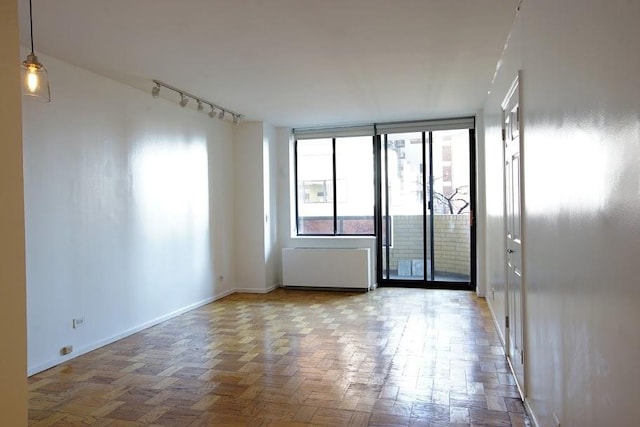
(171,208)
(568,184)
(170,188)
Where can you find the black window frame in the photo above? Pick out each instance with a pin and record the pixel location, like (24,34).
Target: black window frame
(336,226)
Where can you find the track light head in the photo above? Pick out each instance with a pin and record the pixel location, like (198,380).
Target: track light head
(212,113)
(236,119)
(183,100)
(221,115)
(200,106)
(155,92)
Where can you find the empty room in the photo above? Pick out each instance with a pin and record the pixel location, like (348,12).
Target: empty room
(288,213)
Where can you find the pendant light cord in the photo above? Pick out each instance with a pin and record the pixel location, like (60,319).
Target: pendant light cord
(31,25)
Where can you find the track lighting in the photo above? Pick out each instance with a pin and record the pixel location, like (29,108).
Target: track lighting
(183,100)
(200,102)
(35,82)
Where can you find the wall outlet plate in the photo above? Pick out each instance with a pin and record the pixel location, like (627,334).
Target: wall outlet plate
(78,322)
(66,350)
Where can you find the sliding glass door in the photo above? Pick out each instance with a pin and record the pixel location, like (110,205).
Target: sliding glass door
(405,207)
(426,206)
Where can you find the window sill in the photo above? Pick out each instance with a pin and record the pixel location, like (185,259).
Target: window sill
(311,237)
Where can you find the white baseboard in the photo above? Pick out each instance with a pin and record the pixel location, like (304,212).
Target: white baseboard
(503,342)
(32,370)
(257,291)
(532,416)
(223,294)
(101,343)
(496,324)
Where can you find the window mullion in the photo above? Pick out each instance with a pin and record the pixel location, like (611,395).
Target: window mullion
(432,238)
(295,175)
(335,188)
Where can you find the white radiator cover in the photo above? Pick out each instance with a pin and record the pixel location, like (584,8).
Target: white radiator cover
(326,268)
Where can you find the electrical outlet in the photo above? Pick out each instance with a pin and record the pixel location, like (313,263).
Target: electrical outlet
(66,350)
(78,322)
(556,420)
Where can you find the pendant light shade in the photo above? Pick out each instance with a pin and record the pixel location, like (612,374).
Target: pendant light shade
(35,82)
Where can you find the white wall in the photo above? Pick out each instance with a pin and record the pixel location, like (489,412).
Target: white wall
(128,205)
(272,253)
(13,358)
(286,210)
(249,207)
(581,154)
(255,208)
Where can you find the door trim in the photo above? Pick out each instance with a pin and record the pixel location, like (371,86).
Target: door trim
(516,85)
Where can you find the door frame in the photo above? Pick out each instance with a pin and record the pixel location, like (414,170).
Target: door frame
(425,283)
(516,86)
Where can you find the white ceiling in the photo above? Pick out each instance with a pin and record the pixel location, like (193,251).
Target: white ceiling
(289,62)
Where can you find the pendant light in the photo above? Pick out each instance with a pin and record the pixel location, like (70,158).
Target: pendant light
(34,76)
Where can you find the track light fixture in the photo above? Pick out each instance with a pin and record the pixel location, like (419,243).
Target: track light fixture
(35,82)
(183,100)
(200,102)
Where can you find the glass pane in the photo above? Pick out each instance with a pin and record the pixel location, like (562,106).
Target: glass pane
(405,164)
(451,205)
(315,186)
(354,185)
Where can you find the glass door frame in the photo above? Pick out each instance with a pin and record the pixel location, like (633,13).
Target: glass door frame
(382,206)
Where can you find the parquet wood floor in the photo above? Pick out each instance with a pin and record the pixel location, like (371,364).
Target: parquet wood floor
(390,357)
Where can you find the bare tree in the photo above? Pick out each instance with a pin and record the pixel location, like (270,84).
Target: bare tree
(455,205)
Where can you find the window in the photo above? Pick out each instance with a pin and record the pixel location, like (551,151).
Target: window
(317,191)
(335,186)
(446,153)
(446,173)
(314,167)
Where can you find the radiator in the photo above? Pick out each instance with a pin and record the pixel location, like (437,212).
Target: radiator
(326,268)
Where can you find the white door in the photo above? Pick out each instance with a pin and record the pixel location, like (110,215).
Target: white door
(513,213)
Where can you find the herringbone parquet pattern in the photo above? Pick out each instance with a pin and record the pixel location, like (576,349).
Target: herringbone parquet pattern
(391,357)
